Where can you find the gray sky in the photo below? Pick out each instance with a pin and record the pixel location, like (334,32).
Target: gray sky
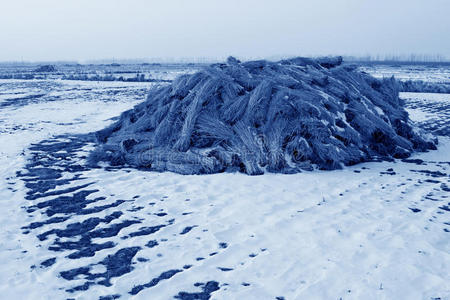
(94,29)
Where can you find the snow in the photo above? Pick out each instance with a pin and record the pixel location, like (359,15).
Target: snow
(349,234)
(433,74)
(432,114)
(426,79)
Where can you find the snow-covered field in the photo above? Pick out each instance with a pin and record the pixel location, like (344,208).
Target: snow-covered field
(431,73)
(378,230)
(94,72)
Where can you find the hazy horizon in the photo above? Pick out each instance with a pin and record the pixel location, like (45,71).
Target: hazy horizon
(211,30)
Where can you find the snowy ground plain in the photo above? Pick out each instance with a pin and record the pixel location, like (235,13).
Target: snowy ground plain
(377,230)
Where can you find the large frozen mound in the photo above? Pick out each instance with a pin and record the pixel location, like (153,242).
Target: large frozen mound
(260,116)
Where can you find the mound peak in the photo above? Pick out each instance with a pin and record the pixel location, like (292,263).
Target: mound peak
(259,116)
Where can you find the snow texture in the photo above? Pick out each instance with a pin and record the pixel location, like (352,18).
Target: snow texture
(261,116)
(377,230)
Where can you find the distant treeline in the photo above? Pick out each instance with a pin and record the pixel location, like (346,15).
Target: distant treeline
(424,59)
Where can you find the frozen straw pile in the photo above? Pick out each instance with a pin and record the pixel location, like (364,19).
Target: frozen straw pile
(260,116)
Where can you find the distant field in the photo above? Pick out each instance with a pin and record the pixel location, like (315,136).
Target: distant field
(97,72)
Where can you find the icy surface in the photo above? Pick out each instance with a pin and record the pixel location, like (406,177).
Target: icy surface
(259,116)
(376,230)
(432,114)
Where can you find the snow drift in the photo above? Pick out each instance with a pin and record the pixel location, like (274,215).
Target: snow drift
(259,116)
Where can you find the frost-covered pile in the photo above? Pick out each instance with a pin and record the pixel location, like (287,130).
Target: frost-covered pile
(262,116)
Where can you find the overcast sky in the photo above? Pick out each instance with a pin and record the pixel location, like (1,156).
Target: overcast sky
(94,29)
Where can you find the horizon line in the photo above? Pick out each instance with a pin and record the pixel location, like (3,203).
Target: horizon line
(406,58)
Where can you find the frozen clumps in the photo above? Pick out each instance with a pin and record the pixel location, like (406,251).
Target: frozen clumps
(260,116)
(45,68)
